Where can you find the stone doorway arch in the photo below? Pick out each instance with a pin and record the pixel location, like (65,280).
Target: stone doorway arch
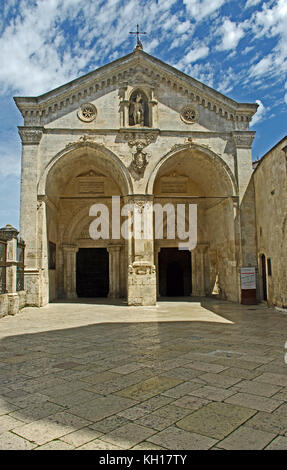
(193,174)
(81,175)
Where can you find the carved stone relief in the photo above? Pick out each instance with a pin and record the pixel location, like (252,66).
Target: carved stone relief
(140,158)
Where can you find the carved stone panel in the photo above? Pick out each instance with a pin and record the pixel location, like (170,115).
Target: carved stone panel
(173,184)
(91,183)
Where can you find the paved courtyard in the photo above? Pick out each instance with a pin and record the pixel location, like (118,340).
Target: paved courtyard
(182,375)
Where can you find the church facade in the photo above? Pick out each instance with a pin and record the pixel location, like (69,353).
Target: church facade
(135,134)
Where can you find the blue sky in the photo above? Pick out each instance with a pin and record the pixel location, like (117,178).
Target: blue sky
(238,47)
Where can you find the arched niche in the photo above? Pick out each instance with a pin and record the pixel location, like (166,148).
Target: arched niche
(75,161)
(139,112)
(206,171)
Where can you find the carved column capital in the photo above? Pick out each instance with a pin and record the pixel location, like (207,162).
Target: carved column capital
(114,248)
(8,233)
(30,135)
(243,139)
(70,248)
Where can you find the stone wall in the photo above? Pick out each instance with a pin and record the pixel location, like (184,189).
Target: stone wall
(8,301)
(270,183)
(13,299)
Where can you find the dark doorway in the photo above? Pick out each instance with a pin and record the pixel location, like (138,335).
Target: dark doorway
(174,279)
(264,282)
(174,272)
(92,272)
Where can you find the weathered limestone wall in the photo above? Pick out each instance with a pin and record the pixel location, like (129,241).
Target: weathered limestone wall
(222,250)
(4,305)
(270,182)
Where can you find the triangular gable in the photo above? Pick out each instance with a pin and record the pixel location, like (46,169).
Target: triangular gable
(134,67)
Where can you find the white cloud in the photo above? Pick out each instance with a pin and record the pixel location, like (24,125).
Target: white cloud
(200,9)
(247,49)
(260,114)
(262,67)
(252,3)
(48,42)
(271,22)
(195,54)
(228,81)
(230,33)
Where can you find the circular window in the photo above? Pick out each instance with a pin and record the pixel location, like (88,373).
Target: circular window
(87,112)
(188,114)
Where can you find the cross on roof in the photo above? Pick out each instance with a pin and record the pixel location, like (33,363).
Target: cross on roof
(137,32)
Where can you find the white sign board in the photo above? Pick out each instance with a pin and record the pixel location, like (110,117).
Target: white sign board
(248,278)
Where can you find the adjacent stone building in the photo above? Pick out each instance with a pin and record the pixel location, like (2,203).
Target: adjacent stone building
(141,130)
(270,184)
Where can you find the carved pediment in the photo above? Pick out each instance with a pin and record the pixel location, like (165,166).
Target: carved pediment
(137,68)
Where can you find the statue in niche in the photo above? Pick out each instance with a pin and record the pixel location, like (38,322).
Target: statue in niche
(138,110)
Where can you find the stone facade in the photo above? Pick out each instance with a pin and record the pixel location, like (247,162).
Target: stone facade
(270,183)
(139,129)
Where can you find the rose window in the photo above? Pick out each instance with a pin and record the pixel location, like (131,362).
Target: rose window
(87,112)
(189,114)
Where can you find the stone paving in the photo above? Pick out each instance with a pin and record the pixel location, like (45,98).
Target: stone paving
(181,375)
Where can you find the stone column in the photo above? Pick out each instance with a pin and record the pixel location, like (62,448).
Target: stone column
(156,253)
(141,271)
(197,266)
(30,137)
(243,142)
(70,252)
(124,106)
(237,246)
(153,109)
(43,250)
(114,270)
(10,234)
(246,213)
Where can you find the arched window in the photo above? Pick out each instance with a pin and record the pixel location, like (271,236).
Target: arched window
(139,109)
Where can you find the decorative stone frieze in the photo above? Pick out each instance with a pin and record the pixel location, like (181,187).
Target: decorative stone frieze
(146,138)
(30,135)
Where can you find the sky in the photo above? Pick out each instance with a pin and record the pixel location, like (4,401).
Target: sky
(238,47)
